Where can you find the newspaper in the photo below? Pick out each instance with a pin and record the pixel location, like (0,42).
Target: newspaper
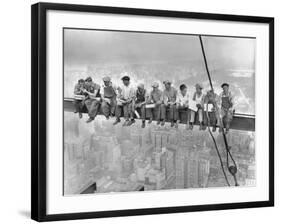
(210,107)
(192,105)
(150,105)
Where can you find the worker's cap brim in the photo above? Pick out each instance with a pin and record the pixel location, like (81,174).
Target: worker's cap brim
(224,84)
(155,84)
(199,86)
(125,78)
(106,79)
(167,82)
(88,79)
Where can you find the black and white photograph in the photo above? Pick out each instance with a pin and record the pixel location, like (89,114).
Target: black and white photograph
(141,111)
(148,111)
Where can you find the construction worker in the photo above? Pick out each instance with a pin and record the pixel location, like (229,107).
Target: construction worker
(212,99)
(155,97)
(140,102)
(92,101)
(108,95)
(169,102)
(78,97)
(182,102)
(198,100)
(227,106)
(125,98)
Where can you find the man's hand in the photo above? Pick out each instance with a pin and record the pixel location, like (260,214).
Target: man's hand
(158,103)
(106,100)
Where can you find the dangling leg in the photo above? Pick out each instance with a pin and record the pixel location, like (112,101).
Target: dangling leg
(143,115)
(118,112)
(163,114)
(192,118)
(105,109)
(176,116)
(200,118)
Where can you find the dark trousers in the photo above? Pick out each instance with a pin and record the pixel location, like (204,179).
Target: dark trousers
(108,108)
(212,118)
(143,111)
(78,105)
(184,112)
(227,117)
(160,112)
(173,112)
(93,107)
(127,110)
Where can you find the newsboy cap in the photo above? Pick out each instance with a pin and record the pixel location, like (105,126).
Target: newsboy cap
(167,81)
(88,79)
(125,78)
(155,84)
(106,79)
(224,84)
(141,85)
(199,86)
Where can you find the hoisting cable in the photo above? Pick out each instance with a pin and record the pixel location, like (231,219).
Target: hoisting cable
(232,169)
(216,147)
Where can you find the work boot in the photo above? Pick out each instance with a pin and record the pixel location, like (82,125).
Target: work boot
(90,120)
(203,127)
(177,124)
(214,129)
(150,121)
(158,122)
(191,126)
(163,123)
(125,123)
(107,117)
(226,128)
(117,121)
(130,122)
(143,124)
(80,115)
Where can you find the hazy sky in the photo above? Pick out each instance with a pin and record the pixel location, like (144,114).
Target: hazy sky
(147,57)
(84,47)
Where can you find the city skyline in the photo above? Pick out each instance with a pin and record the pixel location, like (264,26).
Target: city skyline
(124,159)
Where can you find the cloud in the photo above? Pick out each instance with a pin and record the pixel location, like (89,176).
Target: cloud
(241,73)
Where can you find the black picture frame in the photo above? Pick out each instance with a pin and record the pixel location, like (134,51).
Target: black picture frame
(39,108)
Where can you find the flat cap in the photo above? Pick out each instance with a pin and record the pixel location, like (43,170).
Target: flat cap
(199,86)
(141,85)
(167,81)
(106,79)
(125,78)
(155,84)
(224,84)
(81,80)
(88,79)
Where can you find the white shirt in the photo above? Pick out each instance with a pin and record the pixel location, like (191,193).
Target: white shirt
(198,99)
(182,100)
(103,86)
(127,92)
